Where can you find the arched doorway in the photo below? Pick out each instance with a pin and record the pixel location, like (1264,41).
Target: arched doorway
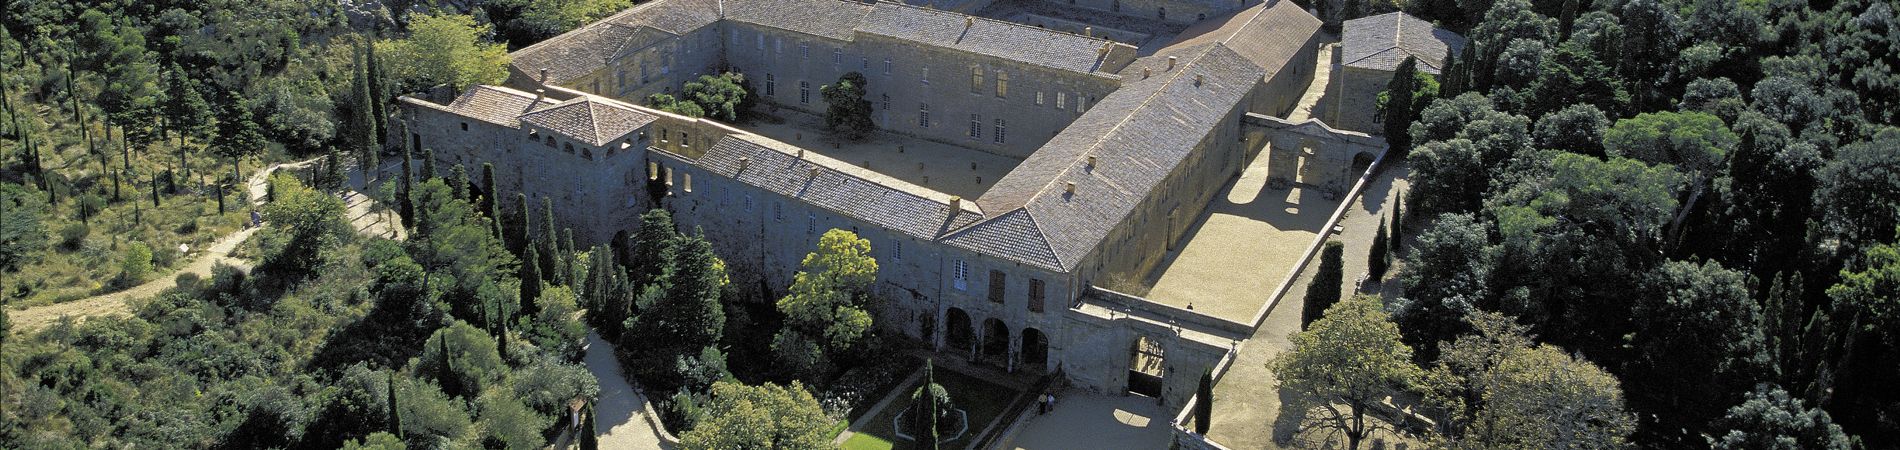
(1035,349)
(996,342)
(958,336)
(1145,368)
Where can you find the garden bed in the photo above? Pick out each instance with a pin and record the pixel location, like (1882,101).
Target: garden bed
(981,401)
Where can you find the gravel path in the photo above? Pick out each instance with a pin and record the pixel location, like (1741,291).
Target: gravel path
(620,414)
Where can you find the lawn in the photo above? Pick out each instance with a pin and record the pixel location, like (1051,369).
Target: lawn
(981,400)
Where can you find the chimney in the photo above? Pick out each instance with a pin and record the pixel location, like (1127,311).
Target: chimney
(1091,161)
(956,204)
(544,75)
(1197,80)
(801,153)
(1146,72)
(1070,188)
(539,95)
(743,162)
(1088,31)
(1170,63)
(968,22)
(814,171)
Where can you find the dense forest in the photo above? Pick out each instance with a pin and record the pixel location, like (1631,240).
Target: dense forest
(1699,196)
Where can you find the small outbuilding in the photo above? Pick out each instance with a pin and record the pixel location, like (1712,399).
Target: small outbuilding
(1370,49)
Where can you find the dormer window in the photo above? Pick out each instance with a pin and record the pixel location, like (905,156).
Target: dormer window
(549,142)
(567,147)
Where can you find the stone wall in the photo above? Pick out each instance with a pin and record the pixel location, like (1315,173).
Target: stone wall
(1354,99)
(1311,152)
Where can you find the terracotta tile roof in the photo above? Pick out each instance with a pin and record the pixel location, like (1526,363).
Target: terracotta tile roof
(1383,41)
(588,120)
(496,105)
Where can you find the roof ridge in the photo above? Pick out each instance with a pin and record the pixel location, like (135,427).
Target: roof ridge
(1129,116)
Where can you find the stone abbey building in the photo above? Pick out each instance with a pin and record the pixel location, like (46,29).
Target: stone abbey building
(1121,142)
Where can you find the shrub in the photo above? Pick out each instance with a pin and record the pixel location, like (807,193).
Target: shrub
(73,234)
(137,263)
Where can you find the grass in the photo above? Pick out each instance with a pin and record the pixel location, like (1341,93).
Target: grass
(983,401)
(89,264)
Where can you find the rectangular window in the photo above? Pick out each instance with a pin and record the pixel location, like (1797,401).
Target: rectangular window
(804,51)
(998,135)
(771,85)
(897,250)
(960,275)
(923,115)
(837,58)
(887,66)
(1002,84)
(976,80)
(804,92)
(926,76)
(811,224)
(778,211)
(997,283)
(1035,295)
(689,181)
(976,126)
(778,46)
(1061,98)
(1038,98)
(864,63)
(761,41)
(748,203)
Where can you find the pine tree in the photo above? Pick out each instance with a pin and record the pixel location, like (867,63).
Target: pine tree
(395,413)
(1323,291)
(1204,404)
(590,439)
(1378,258)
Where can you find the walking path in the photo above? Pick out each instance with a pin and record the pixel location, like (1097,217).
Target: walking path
(34,319)
(1322,77)
(620,414)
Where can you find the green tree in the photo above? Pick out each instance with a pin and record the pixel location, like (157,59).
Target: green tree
(1378,258)
(1204,403)
(827,306)
(1447,275)
(768,416)
(1859,190)
(463,359)
(680,312)
(1719,97)
(22,233)
(1324,289)
(447,49)
(395,414)
(847,113)
(1696,144)
(650,243)
(507,423)
(540,20)
(1698,339)
(1570,75)
(1577,129)
(377,441)
(1346,362)
(934,409)
(1502,391)
(307,226)
(675,105)
(238,134)
(1769,418)
(590,433)
(1399,112)
(137,263)
(408,181)
(185,110)
(721,97)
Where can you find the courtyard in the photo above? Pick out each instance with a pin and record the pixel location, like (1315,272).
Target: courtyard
(1249,228)
(982,403)
(934,165)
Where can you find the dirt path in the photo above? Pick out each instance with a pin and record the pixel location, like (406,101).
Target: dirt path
(620,414)
(360,213)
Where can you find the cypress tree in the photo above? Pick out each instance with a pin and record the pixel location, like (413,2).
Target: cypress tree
(550,245)
(590,439)
(1566,18)
(378,96)
(488,194)
(501,337)
(1398,106)
(1449,83)
(1378,258)
(458,182)
(428,164)
(568,253)
(1398,224)
(524,237)
(395,413)
(930,405)
(408,205)
(531,276)
(154,189)
(1323,291)
(449,382)
(363,121)
(1204,405)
